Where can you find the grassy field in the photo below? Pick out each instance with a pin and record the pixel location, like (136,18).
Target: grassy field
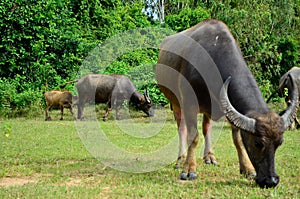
(53,159)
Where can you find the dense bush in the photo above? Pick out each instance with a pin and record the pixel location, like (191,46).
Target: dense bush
(186,18)
(47,43)
(263,30)
(15,103)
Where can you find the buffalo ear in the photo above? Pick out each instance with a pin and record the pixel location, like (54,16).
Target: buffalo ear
(237,119)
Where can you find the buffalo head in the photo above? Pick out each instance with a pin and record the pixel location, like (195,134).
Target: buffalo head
(261,133)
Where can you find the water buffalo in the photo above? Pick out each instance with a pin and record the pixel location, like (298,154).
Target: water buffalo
(286,82)
(110,89)
(63,99)
(191,70)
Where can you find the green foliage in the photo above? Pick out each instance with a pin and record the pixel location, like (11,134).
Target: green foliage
(47,43)
(39,42)
(289,49)
(15,103)
(266,32)
(186,18)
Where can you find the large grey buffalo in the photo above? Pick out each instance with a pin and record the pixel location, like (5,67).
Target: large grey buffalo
(63,99)
(113,90)
(286,82)
(202,70)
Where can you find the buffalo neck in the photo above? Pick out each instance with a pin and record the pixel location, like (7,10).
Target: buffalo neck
(245,95)
(136,97)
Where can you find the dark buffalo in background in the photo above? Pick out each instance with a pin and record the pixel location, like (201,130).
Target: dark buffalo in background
(285,82)
(192,68)
(62,99)
(112,90)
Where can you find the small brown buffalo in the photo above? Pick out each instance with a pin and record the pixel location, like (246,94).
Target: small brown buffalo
(63,99)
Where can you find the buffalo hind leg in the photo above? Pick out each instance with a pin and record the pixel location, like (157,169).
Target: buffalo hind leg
(190,164)
(209,157)
(48,118)
(182,133)
(108,108)
(71,111)
(246,166)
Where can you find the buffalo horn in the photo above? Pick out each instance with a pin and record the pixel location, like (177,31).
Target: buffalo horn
(146,95)
(239,120)
(290,112)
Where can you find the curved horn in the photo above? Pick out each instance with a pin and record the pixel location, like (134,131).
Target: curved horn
(289,114)
(146,95)
(236,118)
(146,91)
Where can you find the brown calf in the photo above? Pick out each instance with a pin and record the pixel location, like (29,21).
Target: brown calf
(63,99)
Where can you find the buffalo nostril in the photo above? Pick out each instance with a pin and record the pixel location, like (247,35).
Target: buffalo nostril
(272,182)
(275,180)
(268,182)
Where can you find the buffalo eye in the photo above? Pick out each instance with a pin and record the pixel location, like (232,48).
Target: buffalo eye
(259,145)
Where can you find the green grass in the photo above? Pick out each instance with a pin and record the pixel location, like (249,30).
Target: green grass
(41,159)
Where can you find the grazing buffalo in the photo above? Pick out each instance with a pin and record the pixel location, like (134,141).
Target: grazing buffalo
(192,68)
(113,90)
(286,82)
(63,99)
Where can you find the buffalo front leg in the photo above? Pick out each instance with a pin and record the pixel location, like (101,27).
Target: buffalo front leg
(246,166)
(62,112)
(182,133)
(209,157)
(190,164)
(119,104)
(48,118)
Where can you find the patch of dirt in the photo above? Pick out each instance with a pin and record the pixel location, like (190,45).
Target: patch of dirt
(69,182)
(16,181)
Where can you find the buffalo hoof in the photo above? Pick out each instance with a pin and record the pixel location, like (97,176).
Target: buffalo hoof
(183,176)
(189,176)
(48,119)
(251,176)
(192,176)
(61,119)
(213,162)
(104,119)
(210,159)
(176,167)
